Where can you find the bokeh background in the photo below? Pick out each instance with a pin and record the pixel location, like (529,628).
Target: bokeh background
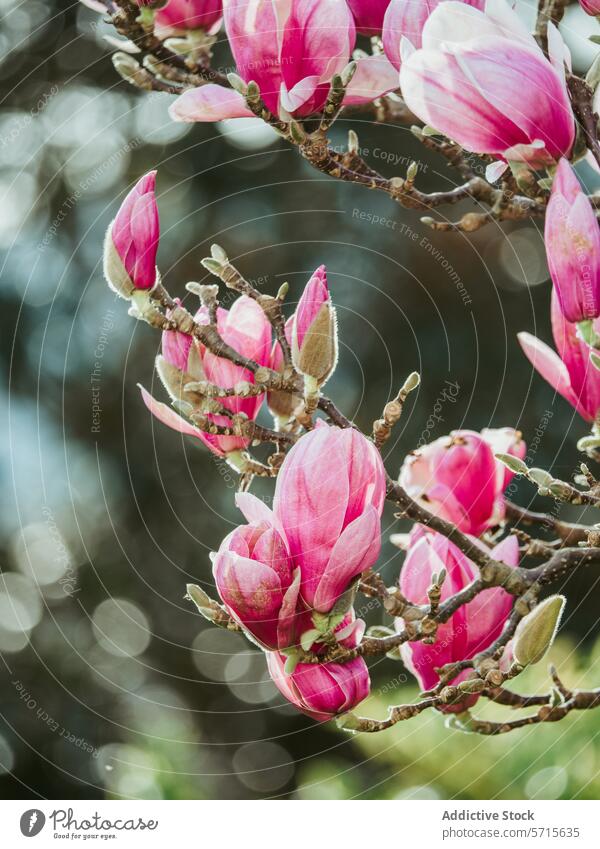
(110,684)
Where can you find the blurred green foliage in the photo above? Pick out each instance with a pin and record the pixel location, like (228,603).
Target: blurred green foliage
(425,760)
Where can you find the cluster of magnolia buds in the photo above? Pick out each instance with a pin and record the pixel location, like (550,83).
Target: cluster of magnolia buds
(459,479)
(289,576)
(290,62)
(217,395)
(458,65)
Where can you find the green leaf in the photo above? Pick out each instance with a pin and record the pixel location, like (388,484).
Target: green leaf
(308,638)
(515,464)
(291,663)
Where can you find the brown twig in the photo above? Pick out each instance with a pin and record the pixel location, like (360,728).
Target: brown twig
(569,533)
(125,16)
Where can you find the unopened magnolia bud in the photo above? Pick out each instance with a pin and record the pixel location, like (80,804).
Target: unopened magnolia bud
(513,463)
(114,270)
(131,241)
(219,254)
(253,90)
(410,384)
(449,694)
(535,633)
(541,477)
(297,133)
(314,331)
(205,605)
(348,73)
(353,144)
(494,678)
(126,66)
(560,490)
(172,378)
(411,171)
(212,265)
(237,84)
(472,686)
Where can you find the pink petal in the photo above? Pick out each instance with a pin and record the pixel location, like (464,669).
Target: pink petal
(357,549)
(171,419)
(288,615)
(209,103)
(551,368)
(253,509)
(374,77)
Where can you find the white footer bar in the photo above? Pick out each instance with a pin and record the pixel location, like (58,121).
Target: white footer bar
(296,824)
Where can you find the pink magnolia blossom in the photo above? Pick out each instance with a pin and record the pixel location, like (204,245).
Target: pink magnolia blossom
(481,79)
(291,49)
(350,630)
(328,500)
(368,15)
(132,240)
(189,14)
(406,19)
(244,327)
(254,575)
(572,242)
(321,690)
(314,330)
(458,477)
(570,372)
(473,627)
(590,7)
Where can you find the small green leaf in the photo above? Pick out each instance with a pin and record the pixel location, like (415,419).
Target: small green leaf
(291,663)
(308,638)
(212,265)
(595,359)
(541,477)
(515,464)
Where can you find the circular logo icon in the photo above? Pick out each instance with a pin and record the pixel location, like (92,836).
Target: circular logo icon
(32,822)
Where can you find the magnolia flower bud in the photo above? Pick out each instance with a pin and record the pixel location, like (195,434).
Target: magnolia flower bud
(468,631)
(321,690)
(178,15)
(244,327)
(448,85)
(131,241)
(328,500)
(572,242)
(255,578)
(590,7)
(287,54)
(535,633)
(458,477)
(314,332)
